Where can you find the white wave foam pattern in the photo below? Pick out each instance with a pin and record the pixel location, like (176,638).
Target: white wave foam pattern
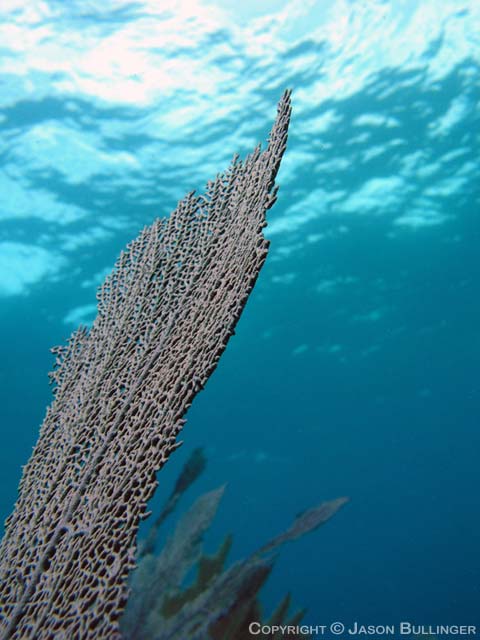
(193,79)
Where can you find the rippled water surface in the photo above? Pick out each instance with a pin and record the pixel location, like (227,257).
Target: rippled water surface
(354,370)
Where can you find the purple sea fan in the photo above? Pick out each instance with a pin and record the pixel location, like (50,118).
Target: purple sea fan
(165,314)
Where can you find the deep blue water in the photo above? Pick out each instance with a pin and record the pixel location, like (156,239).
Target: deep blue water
(354,369)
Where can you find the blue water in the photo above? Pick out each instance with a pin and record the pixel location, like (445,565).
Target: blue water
(354,369)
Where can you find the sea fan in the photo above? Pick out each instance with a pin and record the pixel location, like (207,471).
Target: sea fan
(165,315)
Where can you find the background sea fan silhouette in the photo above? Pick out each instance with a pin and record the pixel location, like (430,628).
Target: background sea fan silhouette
(219,603)
(165,315)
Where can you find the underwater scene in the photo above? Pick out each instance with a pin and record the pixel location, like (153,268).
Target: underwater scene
(329,474)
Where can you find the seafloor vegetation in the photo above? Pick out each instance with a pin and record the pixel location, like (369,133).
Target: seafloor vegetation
(220,601)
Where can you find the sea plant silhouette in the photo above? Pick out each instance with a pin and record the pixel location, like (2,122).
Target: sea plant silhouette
(165,315)
(220,603)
